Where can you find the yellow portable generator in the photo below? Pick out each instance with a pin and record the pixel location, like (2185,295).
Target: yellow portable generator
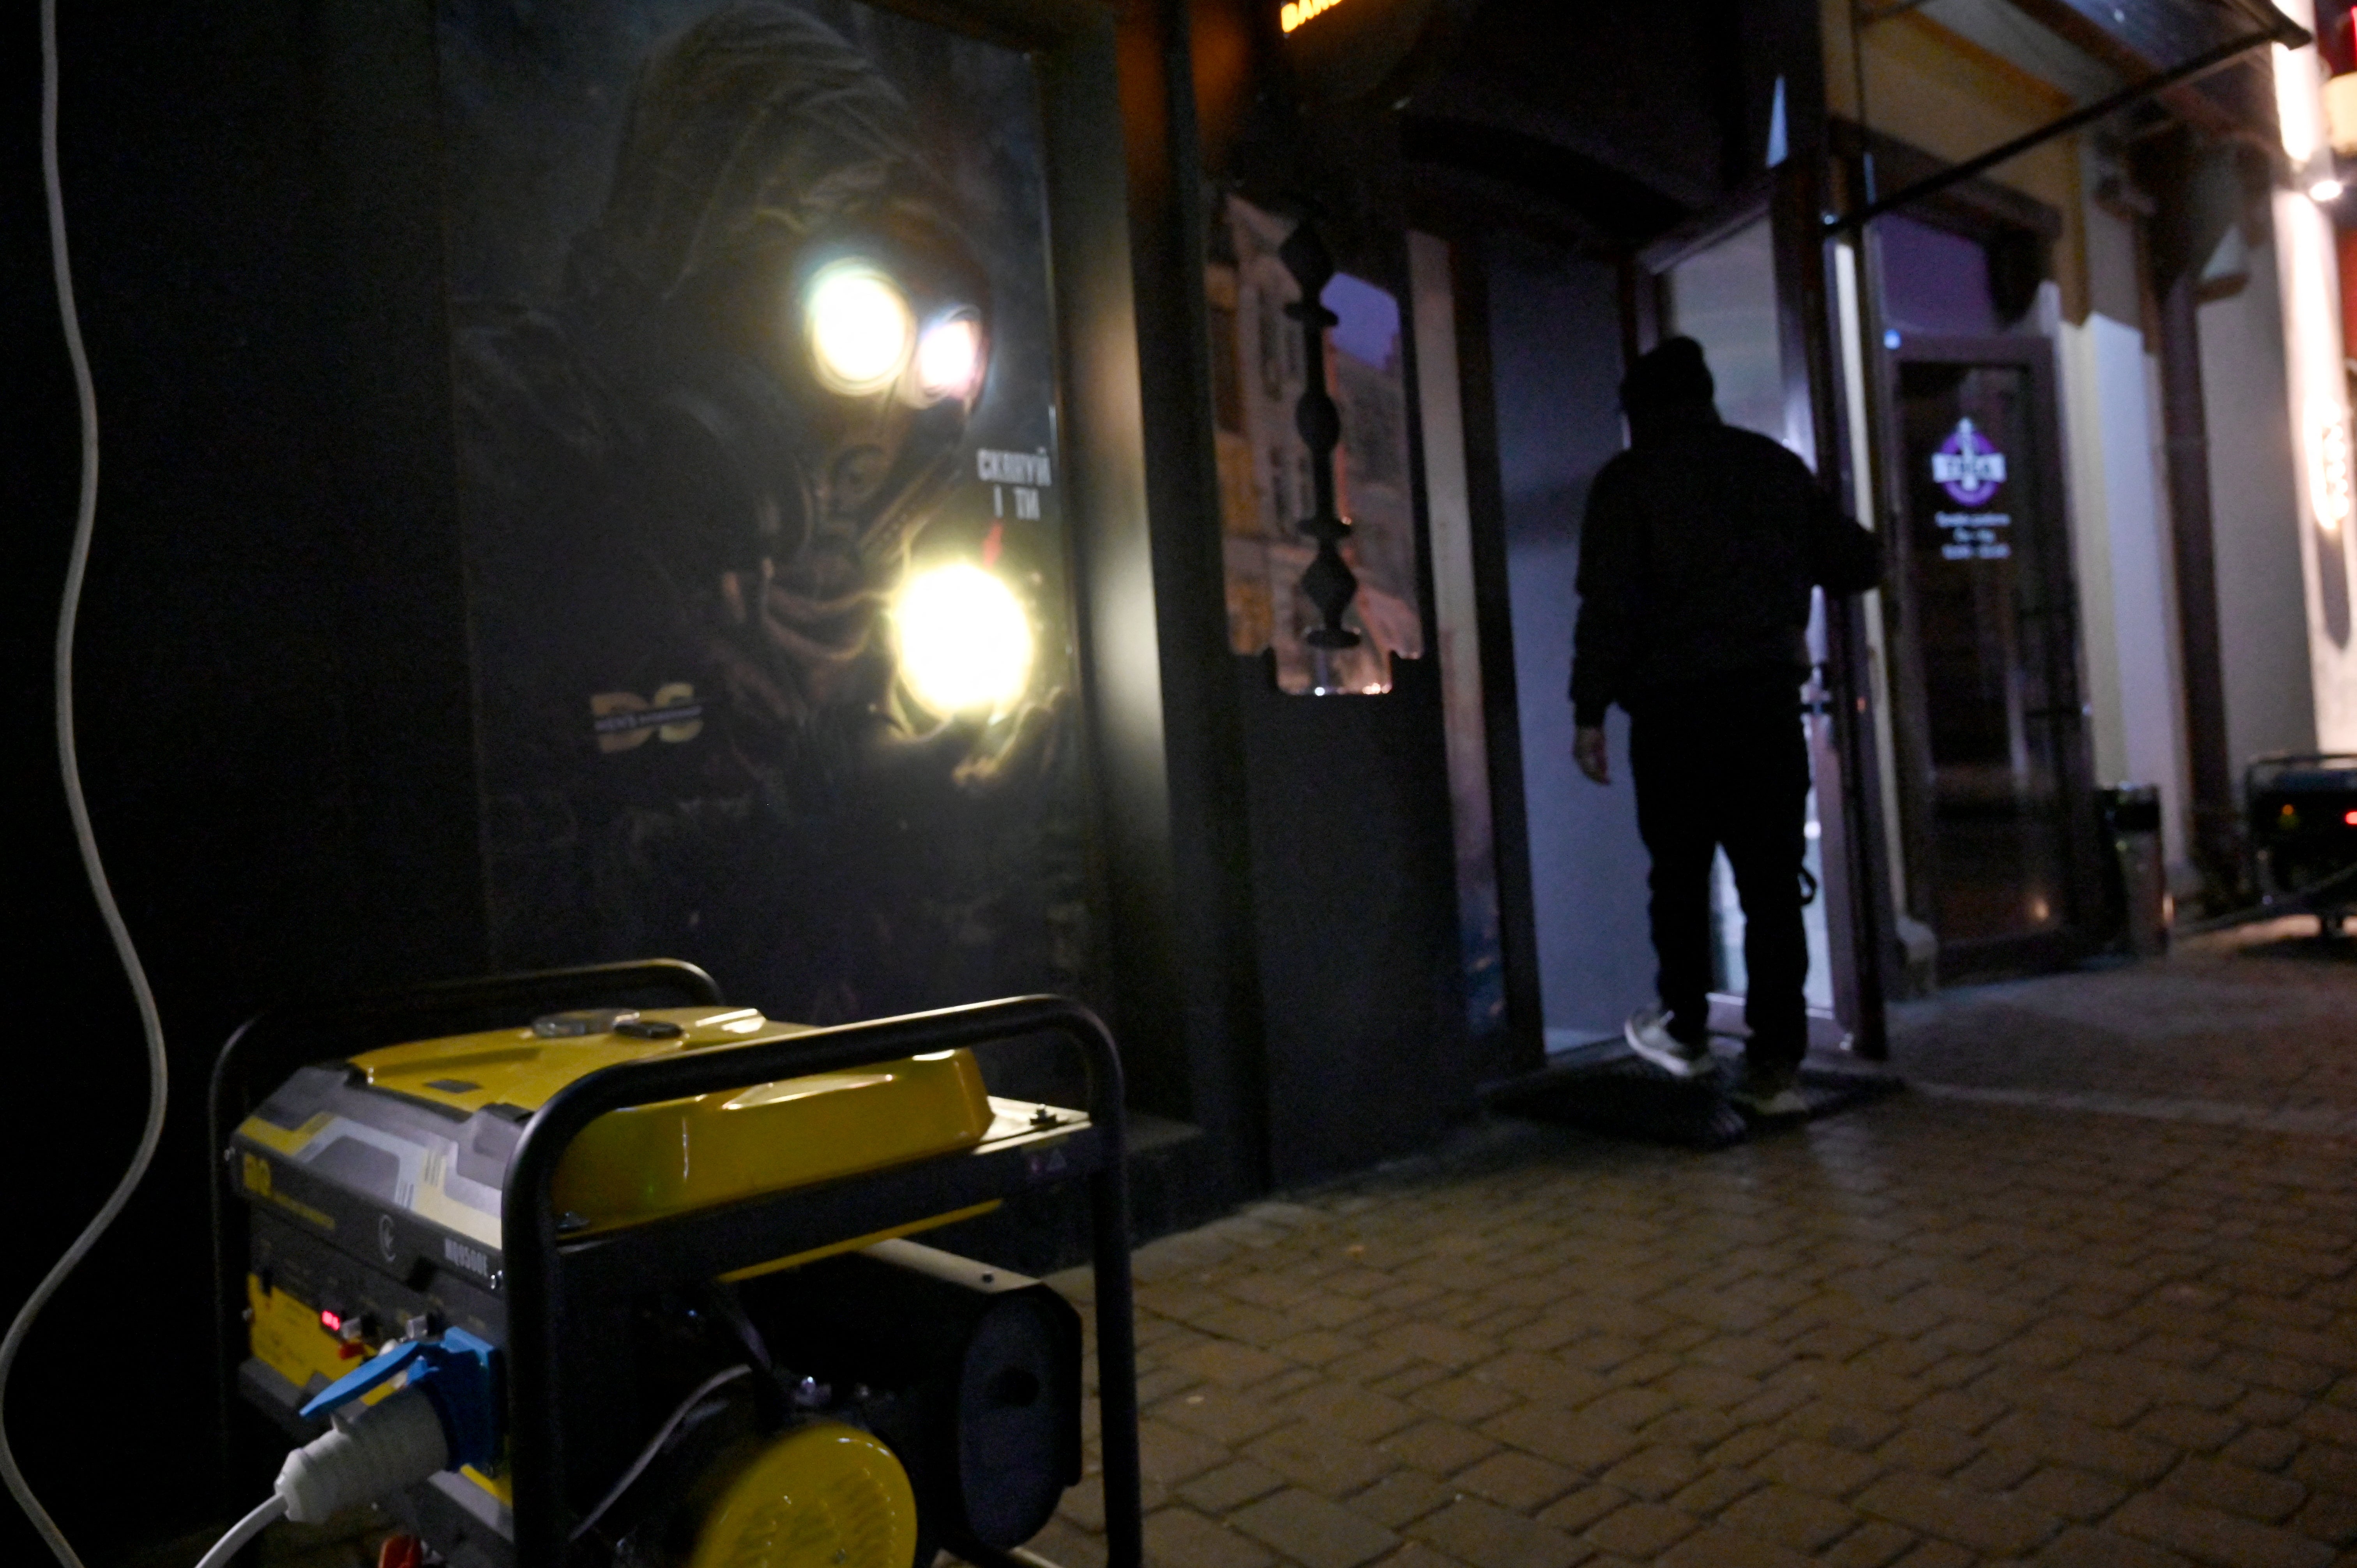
(624,1277)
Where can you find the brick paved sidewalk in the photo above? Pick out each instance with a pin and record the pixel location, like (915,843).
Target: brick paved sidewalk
(2089,1301)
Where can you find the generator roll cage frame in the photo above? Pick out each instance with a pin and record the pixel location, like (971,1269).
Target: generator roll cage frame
(2309,898)
(552,1284)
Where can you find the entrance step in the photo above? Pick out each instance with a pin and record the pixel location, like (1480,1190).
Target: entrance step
(1604,1088)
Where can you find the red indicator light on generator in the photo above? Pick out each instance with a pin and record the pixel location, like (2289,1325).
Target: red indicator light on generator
(2349,818)
(330,1322)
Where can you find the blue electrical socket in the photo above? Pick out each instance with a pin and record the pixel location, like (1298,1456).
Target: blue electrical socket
(459,1375)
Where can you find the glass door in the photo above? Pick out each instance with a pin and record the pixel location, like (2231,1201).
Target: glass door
(1998,803)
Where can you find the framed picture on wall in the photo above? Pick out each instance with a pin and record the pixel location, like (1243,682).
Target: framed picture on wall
(759,467)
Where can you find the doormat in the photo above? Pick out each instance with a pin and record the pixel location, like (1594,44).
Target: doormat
(1620,1094)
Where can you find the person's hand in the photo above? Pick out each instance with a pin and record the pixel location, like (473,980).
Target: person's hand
(1587,750)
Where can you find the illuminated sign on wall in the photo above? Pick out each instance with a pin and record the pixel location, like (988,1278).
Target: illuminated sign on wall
(1296,12)
(1968,466)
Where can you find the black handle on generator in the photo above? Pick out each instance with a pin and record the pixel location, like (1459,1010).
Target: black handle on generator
(530,1239)
(277,1041)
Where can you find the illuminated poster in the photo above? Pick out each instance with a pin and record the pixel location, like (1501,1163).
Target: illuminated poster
(762,501)
(1258,374)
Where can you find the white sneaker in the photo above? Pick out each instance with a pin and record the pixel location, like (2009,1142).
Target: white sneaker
(1770,1095)
(1647,1032)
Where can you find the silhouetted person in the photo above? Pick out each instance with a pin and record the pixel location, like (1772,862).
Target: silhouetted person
(1701,543)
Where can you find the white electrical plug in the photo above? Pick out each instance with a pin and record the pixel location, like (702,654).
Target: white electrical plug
(372,1451)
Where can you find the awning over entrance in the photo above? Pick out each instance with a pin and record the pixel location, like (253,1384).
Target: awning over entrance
(2167,49)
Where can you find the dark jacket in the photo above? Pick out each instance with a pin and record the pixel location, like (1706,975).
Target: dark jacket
(1700,546)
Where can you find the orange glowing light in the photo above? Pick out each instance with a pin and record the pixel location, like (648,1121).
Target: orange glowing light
(2349,818)
(1295,12)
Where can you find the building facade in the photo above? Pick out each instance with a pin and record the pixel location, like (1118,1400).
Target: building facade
(416,359)
(2181,280)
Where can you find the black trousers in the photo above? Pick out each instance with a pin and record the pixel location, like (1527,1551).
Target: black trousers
(1724,766)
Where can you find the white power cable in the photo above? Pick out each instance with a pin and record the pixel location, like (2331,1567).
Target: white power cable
(227,1548)
(371,1452)
(151,1023)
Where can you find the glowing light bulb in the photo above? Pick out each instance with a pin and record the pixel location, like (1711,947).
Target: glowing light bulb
(965,643)
(2324,190)
(949,359)
(859,328)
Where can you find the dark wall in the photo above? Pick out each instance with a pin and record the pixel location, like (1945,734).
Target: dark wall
(1354,885)
(1652,95)
(273,714)
(1213,998)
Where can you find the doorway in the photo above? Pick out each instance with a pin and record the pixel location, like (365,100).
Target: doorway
(1719,288)
(1555,360)
(1996,792)
(1558,329)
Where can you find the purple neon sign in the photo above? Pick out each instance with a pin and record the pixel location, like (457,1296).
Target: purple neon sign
(1968,466)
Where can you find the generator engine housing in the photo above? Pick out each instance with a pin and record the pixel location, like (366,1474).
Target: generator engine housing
(846,1379)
